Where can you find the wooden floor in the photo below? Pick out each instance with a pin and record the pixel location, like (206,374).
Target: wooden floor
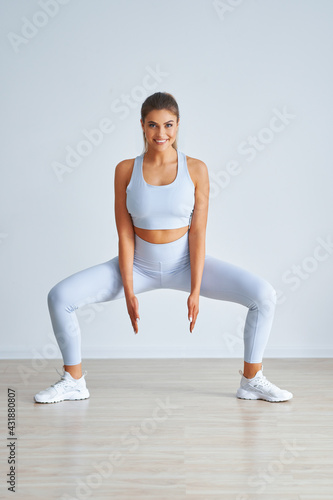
(171,429)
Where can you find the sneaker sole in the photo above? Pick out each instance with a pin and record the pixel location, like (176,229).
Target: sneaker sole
(84,395)
(242,394)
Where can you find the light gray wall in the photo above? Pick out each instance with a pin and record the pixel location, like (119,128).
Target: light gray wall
(235,67)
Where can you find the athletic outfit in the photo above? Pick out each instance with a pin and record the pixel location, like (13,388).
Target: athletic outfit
(161,207)
(158,266)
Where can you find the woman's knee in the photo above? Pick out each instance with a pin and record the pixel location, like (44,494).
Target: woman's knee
(55,295)
(266,296)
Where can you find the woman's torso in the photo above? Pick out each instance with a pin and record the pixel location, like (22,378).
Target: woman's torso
(161,177)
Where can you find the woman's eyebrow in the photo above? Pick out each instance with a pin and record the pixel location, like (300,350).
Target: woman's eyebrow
(151,121)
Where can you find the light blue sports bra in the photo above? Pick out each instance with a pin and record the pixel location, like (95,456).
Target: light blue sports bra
(169,206)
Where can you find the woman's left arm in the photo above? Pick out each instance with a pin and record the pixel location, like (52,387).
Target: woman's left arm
(197,238)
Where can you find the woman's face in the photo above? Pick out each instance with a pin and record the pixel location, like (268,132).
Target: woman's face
(160,129)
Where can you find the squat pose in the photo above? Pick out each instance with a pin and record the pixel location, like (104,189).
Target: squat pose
(161,209)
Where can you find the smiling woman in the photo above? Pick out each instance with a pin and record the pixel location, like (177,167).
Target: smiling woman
(160,119)
(161,209)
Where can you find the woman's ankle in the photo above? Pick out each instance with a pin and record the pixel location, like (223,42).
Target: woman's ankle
(251,369)
(74,370)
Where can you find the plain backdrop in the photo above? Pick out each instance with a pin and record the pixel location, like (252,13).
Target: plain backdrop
(253,80)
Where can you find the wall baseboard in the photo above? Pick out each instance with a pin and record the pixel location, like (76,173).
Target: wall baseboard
(161,352)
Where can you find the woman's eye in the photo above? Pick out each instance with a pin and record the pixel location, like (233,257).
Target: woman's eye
(153,125)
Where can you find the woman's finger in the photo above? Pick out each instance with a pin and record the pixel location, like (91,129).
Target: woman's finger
(135,319)
(193,314)
(193,322)
(134,324)
(190,311)
(133,311)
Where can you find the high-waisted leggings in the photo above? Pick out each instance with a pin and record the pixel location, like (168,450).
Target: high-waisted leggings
(157,266)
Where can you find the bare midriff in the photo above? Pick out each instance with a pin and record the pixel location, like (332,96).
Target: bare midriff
(160,235)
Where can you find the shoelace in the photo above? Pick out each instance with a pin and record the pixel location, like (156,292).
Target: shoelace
(63,382)
(266,384)
(262,381)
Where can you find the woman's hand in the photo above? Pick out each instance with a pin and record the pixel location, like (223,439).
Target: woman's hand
(193,309)
(133,311)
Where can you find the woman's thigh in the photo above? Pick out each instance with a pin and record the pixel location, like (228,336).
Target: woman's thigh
(98,283)
(222,280)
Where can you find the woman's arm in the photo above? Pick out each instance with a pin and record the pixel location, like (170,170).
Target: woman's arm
(197,238)
(126,239)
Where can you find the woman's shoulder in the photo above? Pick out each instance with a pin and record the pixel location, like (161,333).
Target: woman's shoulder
(197,168)
(125,166)
(123,171)
(195,162)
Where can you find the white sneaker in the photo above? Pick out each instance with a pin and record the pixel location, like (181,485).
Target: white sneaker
(259,387)
(67,388)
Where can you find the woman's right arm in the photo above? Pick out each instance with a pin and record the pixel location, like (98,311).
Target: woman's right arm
(126,239)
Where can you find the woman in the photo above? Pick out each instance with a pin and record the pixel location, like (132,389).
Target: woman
(161,208)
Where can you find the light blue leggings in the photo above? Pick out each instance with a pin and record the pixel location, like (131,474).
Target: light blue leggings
(155,266)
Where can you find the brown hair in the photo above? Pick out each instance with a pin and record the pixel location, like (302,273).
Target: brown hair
(159,100)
